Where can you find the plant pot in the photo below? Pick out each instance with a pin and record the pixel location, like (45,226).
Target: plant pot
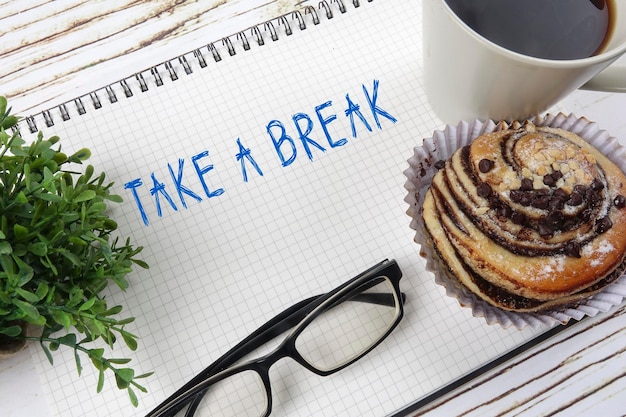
(10,346)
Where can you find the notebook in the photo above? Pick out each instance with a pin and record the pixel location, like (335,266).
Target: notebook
(291,139)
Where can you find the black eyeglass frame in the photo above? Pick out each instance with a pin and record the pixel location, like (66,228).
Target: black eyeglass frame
(300,315)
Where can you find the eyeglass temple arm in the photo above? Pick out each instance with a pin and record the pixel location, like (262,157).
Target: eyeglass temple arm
(274,327)
(289,318)
(286,320)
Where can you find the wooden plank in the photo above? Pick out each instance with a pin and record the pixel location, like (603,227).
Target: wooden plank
(581,371)
(52,52)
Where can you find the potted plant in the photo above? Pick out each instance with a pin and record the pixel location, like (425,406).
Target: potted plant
(58,253)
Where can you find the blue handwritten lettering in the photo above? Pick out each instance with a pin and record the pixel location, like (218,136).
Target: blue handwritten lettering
(178,183)
(202,171)
(307,132)
(351,111)
(326,121)
(132,186)
(376,111)
(245,153)
(159,188)
(282,137)
(304,136)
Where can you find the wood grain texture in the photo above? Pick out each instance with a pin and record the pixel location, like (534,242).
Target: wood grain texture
(53,51)
(579,372)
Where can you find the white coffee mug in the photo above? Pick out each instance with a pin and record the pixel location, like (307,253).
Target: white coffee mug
(469,77)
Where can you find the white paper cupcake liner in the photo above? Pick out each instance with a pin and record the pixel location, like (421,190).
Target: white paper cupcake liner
(419,176)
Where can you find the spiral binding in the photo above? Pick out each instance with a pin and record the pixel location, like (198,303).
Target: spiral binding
(259,34)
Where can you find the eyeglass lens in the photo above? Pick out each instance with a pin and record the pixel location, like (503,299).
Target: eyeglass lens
(242,394)
(344,332)
(341,333)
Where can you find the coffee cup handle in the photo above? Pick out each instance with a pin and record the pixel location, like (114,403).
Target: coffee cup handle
(612,79)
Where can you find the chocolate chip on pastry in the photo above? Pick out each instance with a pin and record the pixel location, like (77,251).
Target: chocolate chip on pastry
(529,218)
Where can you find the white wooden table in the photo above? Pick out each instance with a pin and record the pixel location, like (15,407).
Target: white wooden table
(51,52)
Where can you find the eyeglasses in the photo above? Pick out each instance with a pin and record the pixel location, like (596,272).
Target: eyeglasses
(332,331)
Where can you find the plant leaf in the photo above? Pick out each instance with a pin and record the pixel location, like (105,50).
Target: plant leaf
(95,327)
(5,248)
(79,366)
(147,374)
(53,198)
(47,352)
(73,258)
(115,198)
(42,290)
(48,179)
(21,232)
(85,196)
(76,296)
(39,248)
(68,339)
(9,122)
(120,361)
(112,311)
(140,263)
(12,331)
(75,240)
(63,318)
(123,377)
(97,207)
(27,295)
(96,357)
(59,157)
(25,271)
(133,397)
(20,198)
(80,155)
(29,310)
(87,304)
(100,380)
(130,340)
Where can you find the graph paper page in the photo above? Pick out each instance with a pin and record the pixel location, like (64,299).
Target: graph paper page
(257,181)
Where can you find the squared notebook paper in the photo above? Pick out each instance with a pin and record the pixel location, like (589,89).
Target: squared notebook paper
(257,171)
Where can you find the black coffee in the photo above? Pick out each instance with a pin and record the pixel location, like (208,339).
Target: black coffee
(552,29)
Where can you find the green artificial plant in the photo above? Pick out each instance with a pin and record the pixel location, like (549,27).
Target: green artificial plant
(58,254)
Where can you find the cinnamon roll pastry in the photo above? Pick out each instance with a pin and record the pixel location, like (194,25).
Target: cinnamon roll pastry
(529,218)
